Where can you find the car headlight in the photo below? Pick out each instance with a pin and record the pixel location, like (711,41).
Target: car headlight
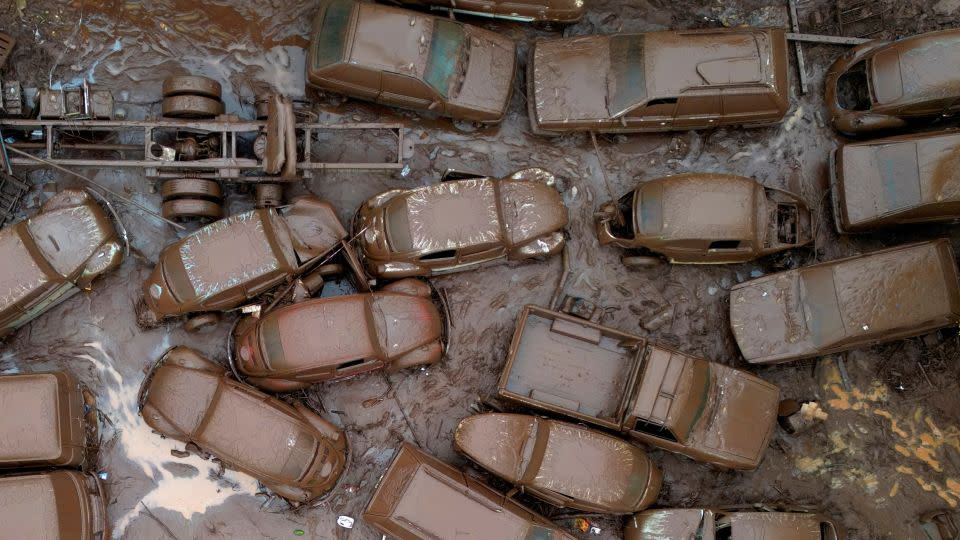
(156,291)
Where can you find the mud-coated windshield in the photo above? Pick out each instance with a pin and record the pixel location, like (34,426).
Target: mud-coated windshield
(447,46)
(626,82)
(328,44)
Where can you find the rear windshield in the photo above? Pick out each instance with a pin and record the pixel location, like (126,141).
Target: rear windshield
(627,83)
(398,225)
(446,48)
(651,214)
(329,43)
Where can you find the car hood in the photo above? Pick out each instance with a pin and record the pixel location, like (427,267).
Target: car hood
(21,274)
(488,81)
(530,210)
(743,414)
(661,524)
(775,525)
(767,318)
(570,79)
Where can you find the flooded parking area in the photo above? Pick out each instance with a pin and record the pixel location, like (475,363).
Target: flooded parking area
(886,451)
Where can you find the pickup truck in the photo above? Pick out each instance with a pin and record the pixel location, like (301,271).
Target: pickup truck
(602,376)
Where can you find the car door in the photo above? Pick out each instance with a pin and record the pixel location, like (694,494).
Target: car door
(697,111)
(440,261)
(353,80)
(407,92)
(655,114)
(475,255)
(729,250)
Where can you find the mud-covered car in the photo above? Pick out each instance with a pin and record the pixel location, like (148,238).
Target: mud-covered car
(882,85)
(290,449)
(411,60)
(729,524)
(50,420)
(619,381)
(54,255)
(421,497)
(546,458)
(232,261)
(55,504)
(658,81)
(460,224)
(546,11)
(830,307)
(896,181)
(334,337)
(703,218)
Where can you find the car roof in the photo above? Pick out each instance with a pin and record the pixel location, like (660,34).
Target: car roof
(779,525)
(34,432)
(391,39)
(452,215)
(35,505)
(20,274)
(918,68)
(704,206)
(895,174)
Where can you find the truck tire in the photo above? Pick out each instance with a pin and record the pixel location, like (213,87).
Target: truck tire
(182,209)
(191,107)
(191,188)
(192,85)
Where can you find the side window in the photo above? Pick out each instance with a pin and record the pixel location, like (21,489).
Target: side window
(698,106)
(724,244)
(642,426)
(655,107)
(439,255)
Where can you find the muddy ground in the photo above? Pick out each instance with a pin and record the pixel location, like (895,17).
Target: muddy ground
(889,451)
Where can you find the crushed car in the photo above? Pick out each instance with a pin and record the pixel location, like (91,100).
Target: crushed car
(411,60)
(545,458)
(422,497)
(834,306)
(55,421)
(901,180)
(54,504)
(53,255)
(618,381)
(320,339)
(460,224)
(292,450)
(233,261)
(703,218)
(883,85)
(658,81)
(759,523)
(543,11)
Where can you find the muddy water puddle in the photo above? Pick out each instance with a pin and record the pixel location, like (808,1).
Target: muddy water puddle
(852,467)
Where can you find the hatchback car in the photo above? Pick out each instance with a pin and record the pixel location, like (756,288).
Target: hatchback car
(834,306)
(54,255)
(460,224)
(291,449)
(659,81)
(407,59)
(728,524)
(54,504)
(896,181)
(421,497)
(882,85)
(546,11)
(334,337)
(232,261)
(54,424)
(703,218)
(546,458)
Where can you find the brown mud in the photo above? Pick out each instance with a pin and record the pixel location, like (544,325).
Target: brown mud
(889,450)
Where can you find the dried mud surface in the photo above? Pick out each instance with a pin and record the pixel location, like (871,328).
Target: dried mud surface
(889,451)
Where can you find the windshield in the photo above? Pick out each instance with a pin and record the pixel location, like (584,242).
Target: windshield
(626,82)
(328,44)
(446,49)
(651,204)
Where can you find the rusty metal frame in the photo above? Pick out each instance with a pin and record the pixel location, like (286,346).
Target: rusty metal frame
(228,166)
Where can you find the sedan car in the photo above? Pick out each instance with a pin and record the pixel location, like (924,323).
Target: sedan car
(703,218)
(659,81)
(54,424)
(834,306)
(291,449)
(291,348)
(232,261)
(727,524)
(411,60)
(882,85)
(54,504)
(896,181)
(54,255)
(545,458)
(460,224)
(547,11)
